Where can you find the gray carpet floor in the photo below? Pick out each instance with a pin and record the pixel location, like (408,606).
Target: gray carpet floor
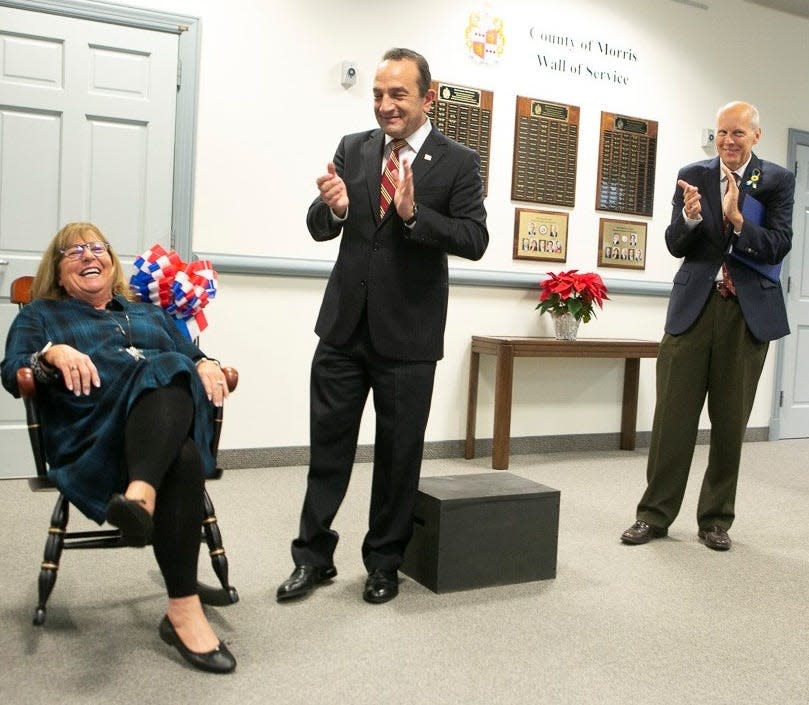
(669,622)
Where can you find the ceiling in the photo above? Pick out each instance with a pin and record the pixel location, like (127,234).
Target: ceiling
(793,7)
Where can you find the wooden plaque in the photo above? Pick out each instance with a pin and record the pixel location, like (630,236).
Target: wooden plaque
(465,115)
(627,158)
(546,142)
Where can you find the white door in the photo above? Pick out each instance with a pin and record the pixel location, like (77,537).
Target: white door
(795,368)
(87,116)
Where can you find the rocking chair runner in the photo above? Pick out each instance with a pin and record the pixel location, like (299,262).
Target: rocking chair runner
(58,536)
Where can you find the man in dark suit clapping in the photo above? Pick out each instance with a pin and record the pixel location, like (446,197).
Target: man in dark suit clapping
(721,316)
(402,197)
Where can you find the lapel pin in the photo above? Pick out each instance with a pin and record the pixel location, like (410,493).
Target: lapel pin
(428,157)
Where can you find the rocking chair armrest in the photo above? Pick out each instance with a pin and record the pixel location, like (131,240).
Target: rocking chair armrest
(26,383)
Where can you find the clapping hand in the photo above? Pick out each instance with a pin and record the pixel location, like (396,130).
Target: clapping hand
(333,191)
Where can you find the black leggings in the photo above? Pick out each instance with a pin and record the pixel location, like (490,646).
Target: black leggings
(159,450)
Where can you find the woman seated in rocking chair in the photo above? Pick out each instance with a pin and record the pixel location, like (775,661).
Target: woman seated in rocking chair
(126,403)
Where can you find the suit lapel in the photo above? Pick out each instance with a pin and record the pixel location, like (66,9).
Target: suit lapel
(372,164)
(713,196)
(746,187)
(754,165)
(431,152)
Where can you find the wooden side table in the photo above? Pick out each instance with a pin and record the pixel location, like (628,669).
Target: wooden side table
(505,349)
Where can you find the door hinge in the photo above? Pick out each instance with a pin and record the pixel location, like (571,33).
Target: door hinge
(781,398)
(179,73)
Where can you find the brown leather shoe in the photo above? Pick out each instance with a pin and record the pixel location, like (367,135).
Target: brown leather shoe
(641,532)
(715,537)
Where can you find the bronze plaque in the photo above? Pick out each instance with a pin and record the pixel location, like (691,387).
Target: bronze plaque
(627,157)
(546,142)
(465,115)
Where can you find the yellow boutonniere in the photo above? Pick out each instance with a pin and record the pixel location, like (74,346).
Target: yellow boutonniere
(752,182)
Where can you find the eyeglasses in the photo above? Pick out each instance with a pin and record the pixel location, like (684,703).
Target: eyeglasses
(77,251)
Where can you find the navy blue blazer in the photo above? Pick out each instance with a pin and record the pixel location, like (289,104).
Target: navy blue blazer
(398,273)
(704,248)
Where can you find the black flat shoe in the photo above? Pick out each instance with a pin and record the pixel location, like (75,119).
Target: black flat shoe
(381,586)
(131,518)
(220,660)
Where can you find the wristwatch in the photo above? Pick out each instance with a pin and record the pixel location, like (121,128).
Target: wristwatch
(411,221)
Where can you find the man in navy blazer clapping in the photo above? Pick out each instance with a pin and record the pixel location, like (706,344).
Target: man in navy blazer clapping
(721,316)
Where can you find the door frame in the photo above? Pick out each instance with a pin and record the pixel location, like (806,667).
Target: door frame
(185,123)
(795,137)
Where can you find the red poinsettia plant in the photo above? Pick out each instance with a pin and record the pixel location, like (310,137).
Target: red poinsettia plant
(571,292)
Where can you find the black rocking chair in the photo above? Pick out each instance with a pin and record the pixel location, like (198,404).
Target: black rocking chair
(58,536)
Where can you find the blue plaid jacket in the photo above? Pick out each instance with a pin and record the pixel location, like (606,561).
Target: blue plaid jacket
(84,434)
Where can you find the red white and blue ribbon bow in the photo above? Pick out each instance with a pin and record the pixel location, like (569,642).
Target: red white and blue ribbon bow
(183,290)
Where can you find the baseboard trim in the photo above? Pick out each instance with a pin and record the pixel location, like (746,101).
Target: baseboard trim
(236,458)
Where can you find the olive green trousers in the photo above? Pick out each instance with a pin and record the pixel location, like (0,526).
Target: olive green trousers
(720,359)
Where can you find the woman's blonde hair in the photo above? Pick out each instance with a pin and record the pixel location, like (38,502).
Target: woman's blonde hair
(46,282)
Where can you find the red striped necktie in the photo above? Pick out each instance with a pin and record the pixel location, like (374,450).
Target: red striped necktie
(386,187)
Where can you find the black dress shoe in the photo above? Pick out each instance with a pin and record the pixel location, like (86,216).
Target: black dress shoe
(715,537)
(304,578)
(641,532)
(381,586)
(220,660)
(131,518)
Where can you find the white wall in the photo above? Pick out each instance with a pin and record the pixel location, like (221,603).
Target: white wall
(271,111)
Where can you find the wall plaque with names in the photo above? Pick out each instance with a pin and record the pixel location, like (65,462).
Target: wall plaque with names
(626,164)
(546,140)
(465,115)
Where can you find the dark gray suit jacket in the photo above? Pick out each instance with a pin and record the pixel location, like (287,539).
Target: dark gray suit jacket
(400,274)
(705,247)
